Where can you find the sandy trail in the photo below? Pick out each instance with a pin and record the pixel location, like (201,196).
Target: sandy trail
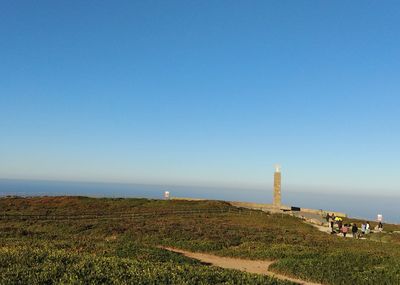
(251,266)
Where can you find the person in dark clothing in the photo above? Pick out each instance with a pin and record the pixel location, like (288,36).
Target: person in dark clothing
(332,222)
(354,230)
(328,217)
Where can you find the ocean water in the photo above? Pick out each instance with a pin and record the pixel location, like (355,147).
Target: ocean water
(366,207)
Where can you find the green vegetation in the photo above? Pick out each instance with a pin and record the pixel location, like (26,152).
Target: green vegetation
(23,265)
(109,246)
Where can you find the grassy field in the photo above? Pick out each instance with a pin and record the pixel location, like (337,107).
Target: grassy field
(83,240)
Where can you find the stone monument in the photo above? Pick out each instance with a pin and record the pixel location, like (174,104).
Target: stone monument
(277,186)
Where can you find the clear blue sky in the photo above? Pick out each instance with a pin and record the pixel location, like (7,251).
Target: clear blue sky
(202,92)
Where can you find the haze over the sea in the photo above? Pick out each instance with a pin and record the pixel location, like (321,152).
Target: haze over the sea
(366,207)
(205,93)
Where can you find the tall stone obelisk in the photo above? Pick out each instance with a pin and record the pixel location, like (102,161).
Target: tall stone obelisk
(277,186)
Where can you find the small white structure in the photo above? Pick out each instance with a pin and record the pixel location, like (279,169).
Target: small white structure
(380,218)
(166,195)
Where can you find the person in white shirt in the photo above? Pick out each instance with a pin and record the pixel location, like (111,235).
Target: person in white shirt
(367,228)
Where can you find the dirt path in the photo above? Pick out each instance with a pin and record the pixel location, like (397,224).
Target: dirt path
(251,266)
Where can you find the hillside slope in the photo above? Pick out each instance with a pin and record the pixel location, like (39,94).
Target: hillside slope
(80,239)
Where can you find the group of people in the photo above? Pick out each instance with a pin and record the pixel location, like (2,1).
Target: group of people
(352,227)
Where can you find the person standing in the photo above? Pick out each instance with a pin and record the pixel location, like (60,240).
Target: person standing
(380,227)
(363,226)
(367,228)
(354,230)
(330,223)
(340,224)
(345,229)
(328,217)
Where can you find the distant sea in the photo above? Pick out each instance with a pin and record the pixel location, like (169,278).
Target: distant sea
(366,207)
